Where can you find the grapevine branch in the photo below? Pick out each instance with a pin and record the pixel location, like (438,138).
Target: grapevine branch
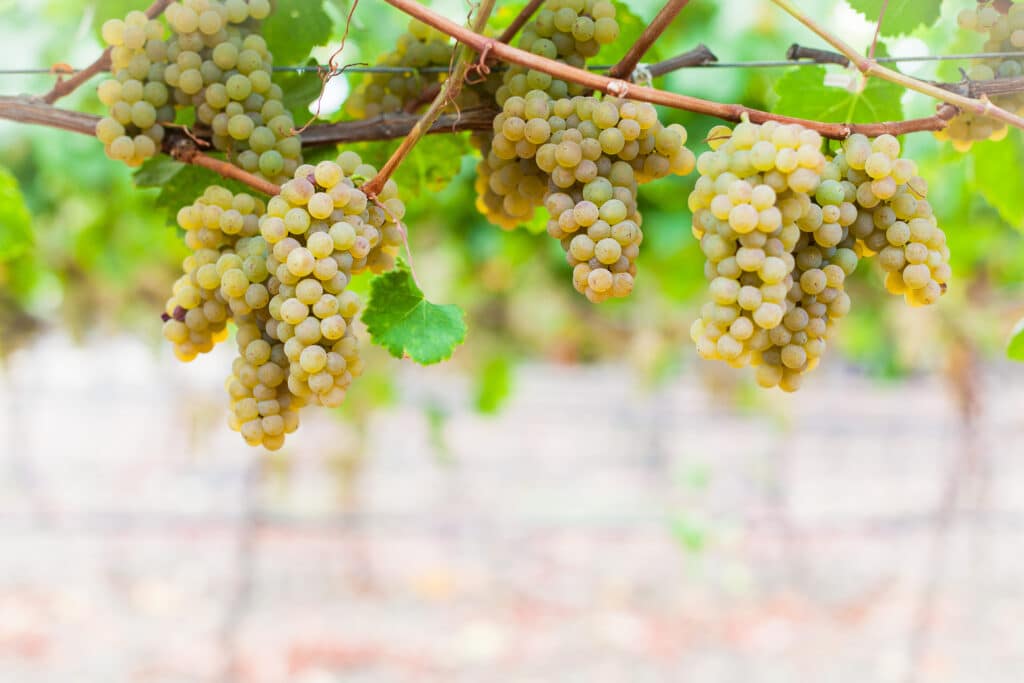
(102,63)
(387,127)
(448,92)
(654,29)
(184,150)
(621,88)
(869,67)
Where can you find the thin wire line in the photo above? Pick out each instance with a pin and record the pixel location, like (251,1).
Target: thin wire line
(601,67)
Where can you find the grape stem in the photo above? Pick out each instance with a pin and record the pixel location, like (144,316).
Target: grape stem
(624,89)
(627,64)
(184,150)
(869,67)
(463,60)
(102,63)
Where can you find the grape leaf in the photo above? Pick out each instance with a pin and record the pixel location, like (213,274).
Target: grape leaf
(1015,348)
(430,166)
(901,16)
(401,320)
(180,184)
(15,220)
(802,92)
(294,28)
(997,177)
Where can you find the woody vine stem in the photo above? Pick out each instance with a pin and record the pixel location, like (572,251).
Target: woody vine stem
(185,147)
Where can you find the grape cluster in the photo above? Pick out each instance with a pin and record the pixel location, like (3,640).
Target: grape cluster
(322,230)
(281,272)
(896,222)
(570,31)
(213,61)
(1004,32)
(581,157)
(223,276)
(136,96)
(509,185)
(782,226)
(752,208)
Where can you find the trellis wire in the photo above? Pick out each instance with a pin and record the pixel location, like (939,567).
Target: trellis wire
(361,69)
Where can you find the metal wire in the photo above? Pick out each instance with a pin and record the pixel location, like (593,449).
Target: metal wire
(358,69)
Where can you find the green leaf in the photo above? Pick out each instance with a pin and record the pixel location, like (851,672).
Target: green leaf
(494,384)
(180,184)
(300,89)
(901,16)
(428,168)
(802,92)
(401,320)
(15,220)
(998,178)
(294,28)
(1015,348)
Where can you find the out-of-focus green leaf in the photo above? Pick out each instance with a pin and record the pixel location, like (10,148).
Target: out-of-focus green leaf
(1015,348)
(15,220)
(294,28)
(431,164)
(998,177)
(399,318)
(901,16)
(493,384)
(803,93)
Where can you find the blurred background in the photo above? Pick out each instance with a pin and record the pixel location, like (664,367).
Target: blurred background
(573,497)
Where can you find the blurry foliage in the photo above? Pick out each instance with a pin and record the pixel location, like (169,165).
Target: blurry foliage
(102,252)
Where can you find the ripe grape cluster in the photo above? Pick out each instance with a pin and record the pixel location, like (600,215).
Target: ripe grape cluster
(1003,28)
(782,226)
(281,272)
(581,157)
(214,61)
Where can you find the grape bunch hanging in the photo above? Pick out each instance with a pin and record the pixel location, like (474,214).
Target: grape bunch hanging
(782,226)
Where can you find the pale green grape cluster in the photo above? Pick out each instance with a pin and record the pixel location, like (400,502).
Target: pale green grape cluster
(224,275)
(213,61)
(321,230)
(594,163)
(281,274)
(751,208)
(1003,28)
(783,226)
(510,186)
(384,93)
(896,222)
(221,66)
(136,97)
(582,157)
(570,31)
